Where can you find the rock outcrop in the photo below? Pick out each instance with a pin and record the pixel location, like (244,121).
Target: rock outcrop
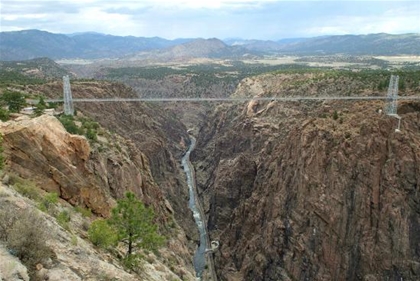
(158,134)
(72,256)
(311,190)
(42,151)
(11,269)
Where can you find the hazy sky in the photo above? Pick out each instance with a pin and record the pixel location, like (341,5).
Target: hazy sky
(249,19)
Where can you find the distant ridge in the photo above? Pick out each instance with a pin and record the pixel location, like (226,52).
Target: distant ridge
(43,68)
(370,44)
(29,44)
(198,48)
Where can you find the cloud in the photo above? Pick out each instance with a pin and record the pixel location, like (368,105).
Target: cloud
(42,7)
(266,19)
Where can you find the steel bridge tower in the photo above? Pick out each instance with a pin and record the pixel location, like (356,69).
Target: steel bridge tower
(391,105)
(68,99)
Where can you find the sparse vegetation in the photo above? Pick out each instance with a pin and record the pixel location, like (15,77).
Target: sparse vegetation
(4,114)
(14,77)
(335,115)
(131,223)
(74,240)
(63,219)
(14,100)
(134,223)
(88,128)
(26,188)
(40,107)
(48,201)
(25,234)
(86,213)
(101,234)
(69,124)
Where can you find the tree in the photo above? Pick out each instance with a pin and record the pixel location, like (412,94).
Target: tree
(15,100)
(40,107)
(401,84)
(134,224)
(4,114)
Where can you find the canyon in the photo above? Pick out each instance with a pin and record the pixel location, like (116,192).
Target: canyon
(311,190)
(292,190)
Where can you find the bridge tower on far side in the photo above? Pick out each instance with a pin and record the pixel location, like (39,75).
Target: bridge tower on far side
(391,105)
(68,99)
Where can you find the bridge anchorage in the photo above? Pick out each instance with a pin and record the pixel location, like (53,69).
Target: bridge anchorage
(391,106)
(68,99)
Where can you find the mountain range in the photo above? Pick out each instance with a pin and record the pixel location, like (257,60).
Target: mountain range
(29,44)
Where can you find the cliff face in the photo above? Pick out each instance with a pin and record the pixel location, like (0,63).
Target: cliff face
(311,190)
(93,176)
(40,149)
(158,134)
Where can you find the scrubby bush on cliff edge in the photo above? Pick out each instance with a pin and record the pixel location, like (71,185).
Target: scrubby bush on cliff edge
(101,234)
(25,235)
(132,224)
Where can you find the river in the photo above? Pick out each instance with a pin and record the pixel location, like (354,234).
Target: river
(199,257)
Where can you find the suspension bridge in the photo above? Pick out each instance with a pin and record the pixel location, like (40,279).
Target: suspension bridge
(390,108)
(240,99)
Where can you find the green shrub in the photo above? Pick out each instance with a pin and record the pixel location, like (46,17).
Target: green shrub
(88,128)
(63,219)
(7,220)
(91,134)
(27,240)
(74,240)
(40,107)
(87,213)
(14,100)
(27,189)
(69,125)
(335,115)
(133,262)
(4,114)
(101,234)
(48,201)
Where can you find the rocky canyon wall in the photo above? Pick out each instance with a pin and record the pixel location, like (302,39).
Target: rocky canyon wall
(311,190)
(90,175)
(157,133)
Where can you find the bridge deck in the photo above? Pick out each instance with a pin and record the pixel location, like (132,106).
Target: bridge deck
(240,99)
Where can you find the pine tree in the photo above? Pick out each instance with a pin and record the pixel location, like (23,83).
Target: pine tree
(40,107)
(134,224)
(15,100)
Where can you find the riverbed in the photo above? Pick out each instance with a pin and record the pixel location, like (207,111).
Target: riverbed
(199,260)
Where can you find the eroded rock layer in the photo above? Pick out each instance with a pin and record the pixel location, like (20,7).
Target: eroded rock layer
(312,190)
(92,176)
(158,134)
